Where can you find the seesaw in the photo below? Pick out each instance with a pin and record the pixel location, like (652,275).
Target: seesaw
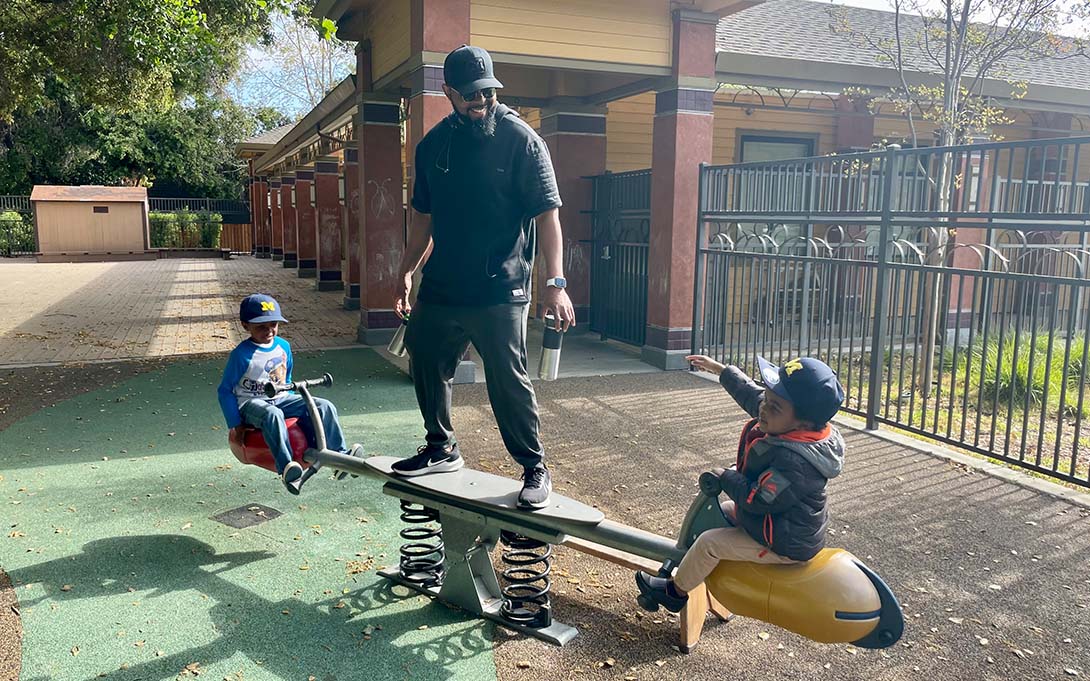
(455,520)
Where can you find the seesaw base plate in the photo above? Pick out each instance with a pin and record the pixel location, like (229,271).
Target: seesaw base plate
(556,633)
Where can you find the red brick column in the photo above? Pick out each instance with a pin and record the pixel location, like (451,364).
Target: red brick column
(327,192)
(288,248)
(306,225)
(576,137)
(381,215)
(682,140)
(352,224)
(260,213)
(854,125)
(276,219)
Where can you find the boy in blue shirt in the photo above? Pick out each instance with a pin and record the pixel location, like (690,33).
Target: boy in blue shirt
(262,358)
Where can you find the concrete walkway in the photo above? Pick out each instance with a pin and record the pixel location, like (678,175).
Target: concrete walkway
(80,312)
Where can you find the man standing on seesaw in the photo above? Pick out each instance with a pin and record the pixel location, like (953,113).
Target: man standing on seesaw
(484,186)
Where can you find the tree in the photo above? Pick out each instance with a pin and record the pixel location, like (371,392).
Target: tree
(184,150)
(130,54)
(945,53)
(296,70)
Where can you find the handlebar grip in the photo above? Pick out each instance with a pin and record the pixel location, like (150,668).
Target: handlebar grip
(271,389)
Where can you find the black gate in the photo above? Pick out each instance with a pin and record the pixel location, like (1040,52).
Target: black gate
(622,228)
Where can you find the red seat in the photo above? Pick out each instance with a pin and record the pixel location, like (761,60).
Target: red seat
(251,448)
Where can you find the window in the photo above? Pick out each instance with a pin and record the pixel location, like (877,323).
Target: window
(774,188)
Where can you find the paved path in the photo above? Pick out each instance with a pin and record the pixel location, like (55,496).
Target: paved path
(79,312)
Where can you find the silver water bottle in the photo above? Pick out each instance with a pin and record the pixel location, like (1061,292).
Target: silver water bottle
(551,341)
(397,343)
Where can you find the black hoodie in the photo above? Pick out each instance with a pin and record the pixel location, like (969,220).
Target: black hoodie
(482,194)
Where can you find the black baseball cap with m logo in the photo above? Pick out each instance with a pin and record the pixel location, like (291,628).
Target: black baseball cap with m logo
(468,69)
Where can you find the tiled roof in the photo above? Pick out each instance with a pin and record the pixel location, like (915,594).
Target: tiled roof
(806,31)
(270,137)
(89,193)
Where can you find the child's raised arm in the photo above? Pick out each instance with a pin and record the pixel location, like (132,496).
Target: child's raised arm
(741,387)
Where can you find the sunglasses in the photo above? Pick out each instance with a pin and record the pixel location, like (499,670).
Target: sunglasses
(487,93)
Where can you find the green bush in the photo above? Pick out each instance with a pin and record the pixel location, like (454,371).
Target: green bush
(164,230)
(16,233)
(185,229)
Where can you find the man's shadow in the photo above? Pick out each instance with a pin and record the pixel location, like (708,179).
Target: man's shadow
(318,639)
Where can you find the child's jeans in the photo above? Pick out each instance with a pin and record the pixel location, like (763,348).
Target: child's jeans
(725,543)
(269,415)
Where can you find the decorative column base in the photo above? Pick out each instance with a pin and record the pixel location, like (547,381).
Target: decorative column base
(667,348)
(352,297)
(329,280)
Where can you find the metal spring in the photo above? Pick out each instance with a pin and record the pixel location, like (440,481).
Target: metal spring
(526,592)
(423,553)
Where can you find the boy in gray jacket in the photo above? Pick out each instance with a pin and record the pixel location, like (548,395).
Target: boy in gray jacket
(786,454)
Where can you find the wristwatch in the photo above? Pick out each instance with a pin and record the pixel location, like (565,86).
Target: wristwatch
(556,282)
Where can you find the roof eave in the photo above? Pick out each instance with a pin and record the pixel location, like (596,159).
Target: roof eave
(748,69)
(335,104)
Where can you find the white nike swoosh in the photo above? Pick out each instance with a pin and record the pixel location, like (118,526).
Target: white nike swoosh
(432,464)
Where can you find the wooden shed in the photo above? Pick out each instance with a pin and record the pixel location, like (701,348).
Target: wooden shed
(91,223)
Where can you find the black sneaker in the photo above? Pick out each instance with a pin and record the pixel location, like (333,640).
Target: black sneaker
(537,485)
(657,592)
(430,459)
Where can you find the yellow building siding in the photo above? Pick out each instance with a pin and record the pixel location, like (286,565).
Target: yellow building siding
(732,122)
(630,124)
(388,29)
(623,31)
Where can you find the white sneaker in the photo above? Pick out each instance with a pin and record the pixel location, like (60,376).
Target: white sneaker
(293,472)
(356,451)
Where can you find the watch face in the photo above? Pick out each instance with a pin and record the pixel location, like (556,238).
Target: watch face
(559,282)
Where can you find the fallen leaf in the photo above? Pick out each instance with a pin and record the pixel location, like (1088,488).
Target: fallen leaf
(187,526)
(66,587)
(1071,672)
(956,620)
(75,651)
(522,664)
(763,635)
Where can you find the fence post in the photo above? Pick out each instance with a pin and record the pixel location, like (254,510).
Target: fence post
(881,308)
(696,337)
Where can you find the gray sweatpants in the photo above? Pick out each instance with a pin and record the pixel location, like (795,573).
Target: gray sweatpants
(438,336)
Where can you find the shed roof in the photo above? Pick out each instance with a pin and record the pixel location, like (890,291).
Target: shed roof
(89,193)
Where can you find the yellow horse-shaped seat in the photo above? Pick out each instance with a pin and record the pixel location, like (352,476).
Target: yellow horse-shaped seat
(829,599)
(832,598)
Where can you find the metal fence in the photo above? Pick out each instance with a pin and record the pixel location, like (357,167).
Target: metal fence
(946,286)
(622,229)
(15,203)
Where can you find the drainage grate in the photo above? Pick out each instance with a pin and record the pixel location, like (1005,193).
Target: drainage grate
(247,516)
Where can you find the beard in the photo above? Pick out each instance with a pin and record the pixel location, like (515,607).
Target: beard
(483,128)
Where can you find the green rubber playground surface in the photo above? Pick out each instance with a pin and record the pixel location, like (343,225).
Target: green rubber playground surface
(122,573)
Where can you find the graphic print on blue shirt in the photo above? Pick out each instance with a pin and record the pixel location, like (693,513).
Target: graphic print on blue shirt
(248,369)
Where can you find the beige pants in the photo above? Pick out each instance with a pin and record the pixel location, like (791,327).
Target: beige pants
(726,543)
